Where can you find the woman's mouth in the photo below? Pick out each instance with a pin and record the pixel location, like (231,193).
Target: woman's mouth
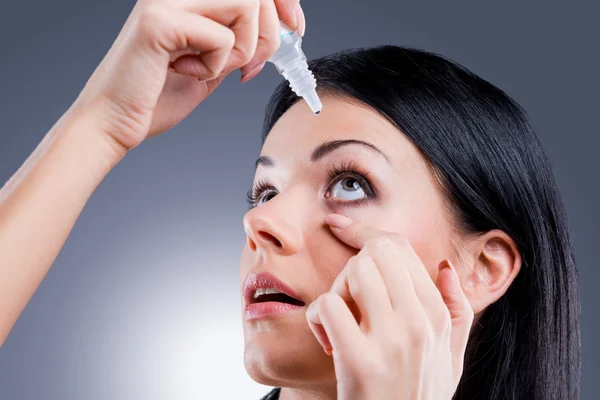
(266,296)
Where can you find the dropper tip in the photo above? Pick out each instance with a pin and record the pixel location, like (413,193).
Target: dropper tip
(313,101)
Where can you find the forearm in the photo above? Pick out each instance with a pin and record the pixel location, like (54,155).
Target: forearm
(40,204)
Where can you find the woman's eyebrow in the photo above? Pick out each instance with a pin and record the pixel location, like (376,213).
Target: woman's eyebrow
(323,149)
(328,146)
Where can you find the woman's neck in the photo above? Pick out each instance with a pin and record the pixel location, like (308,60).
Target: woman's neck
(328,392)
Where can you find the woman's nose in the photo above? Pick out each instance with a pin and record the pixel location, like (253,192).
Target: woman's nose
(272,231)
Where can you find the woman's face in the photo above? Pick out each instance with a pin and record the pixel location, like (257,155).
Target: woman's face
(301,181)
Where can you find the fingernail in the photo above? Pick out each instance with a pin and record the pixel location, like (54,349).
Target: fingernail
(443,264)
(300,20)
(252,72)
(311,311)
(448,264)
(295,17)
(338,221)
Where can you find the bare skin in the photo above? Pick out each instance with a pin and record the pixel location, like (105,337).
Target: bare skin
(158,82)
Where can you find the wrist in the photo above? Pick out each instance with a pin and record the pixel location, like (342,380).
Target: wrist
(80,130)
(86,125)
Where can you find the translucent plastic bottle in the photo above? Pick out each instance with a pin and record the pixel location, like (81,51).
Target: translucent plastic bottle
(290,61)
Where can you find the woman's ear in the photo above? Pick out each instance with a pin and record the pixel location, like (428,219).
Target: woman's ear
(496,262)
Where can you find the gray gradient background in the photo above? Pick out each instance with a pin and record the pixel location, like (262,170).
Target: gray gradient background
(143,302)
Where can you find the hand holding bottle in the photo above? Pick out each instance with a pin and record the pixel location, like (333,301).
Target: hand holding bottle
(171,55)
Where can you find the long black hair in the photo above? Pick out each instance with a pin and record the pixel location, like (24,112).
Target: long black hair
(495,174)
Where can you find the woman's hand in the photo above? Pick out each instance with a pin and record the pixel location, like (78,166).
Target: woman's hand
(152,76)
(407,337)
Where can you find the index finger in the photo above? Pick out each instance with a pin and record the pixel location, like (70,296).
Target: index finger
(268,40)
(353,233)
(290,13)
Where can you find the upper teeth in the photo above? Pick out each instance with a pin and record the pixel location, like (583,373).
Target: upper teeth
(262,291)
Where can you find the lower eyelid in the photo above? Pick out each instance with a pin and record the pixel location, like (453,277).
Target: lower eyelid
(334,204)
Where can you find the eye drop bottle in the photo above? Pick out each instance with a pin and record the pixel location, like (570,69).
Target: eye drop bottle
(290,61)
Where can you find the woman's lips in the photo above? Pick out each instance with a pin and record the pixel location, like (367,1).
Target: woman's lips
(264,280)
(261,309)
(268,309)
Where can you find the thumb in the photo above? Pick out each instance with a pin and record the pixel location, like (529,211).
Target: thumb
(461,314)
(353,233)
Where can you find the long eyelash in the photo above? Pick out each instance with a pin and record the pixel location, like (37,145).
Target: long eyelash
(256,190)
(344,168)
(350,168)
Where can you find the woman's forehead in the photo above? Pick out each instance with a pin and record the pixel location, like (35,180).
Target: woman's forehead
(299,131)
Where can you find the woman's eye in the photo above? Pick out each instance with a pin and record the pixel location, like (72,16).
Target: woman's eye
(348,188)
(266,196)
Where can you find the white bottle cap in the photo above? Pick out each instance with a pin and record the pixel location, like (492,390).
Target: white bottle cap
(290,61)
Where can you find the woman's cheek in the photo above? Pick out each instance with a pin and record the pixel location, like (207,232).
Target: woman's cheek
(246,260)
(328,258)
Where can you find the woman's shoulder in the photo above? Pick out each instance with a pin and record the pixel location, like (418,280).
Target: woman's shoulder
(272,395)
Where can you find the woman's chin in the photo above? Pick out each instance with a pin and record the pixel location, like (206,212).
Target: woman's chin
(285,357)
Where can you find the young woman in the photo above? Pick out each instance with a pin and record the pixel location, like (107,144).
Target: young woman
(408,243)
